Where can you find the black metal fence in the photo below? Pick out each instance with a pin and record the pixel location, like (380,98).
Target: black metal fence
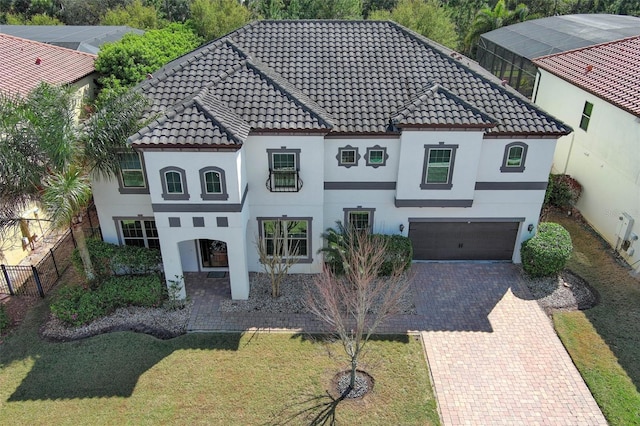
(37,280)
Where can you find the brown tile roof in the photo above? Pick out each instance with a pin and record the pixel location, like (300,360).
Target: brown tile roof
(353,77)
(610,71)
(26,63)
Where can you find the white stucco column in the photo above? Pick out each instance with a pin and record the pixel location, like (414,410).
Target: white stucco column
(238,266)
(171,262)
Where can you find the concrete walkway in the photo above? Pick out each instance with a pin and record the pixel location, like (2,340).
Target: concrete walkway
(494,356)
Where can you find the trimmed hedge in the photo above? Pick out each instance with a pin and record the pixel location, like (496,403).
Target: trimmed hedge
(112,259)
(399,252)
(547,252)
(77,305)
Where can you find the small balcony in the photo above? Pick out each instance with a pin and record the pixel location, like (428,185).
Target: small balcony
(284,181)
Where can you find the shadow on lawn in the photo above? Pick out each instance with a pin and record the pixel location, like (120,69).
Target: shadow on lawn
(103,366)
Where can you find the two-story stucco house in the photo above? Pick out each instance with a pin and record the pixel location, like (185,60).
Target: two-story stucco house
(305,123)
(596,89)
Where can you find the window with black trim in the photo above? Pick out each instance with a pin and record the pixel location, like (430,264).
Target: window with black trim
(213,184)
(514,157)
(348,156)
(359,219)
(376,156)
(586,115)
(284,170)
(139,233)
(288,236)
(131,178)
(174,183)
(437,170)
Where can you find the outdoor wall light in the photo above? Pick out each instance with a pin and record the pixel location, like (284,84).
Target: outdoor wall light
(401,227)
(530,227)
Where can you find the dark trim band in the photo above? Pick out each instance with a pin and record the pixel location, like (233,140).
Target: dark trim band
(510,186)
(434,203)
(466,219)
(201,207)
(359,185)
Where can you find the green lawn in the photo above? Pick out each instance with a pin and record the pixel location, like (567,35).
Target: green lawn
(604,341)
(226,379)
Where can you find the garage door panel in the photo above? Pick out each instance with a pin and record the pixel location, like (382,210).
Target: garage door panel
(463,240)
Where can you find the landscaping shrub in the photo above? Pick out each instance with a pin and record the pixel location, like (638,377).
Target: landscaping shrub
(5,321)
(399,249)
(111,259)
(562,191)
(76,305)
(547,252)
(399,252)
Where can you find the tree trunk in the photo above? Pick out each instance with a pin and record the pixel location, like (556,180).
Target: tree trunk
(354,366)
(83,251)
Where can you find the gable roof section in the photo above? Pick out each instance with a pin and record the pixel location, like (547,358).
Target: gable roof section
(349,77)
(610,71)
(437,107)
(20,71)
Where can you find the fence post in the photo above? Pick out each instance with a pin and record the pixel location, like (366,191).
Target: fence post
(6,277)
(53,258)
(36,277)
(73,238)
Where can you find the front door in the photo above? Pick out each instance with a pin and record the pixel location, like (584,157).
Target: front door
(213,254)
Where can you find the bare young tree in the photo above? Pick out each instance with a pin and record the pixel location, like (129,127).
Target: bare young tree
(353,305)
(276,255)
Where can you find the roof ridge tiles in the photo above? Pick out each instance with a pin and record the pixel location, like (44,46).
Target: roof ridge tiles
(220,120)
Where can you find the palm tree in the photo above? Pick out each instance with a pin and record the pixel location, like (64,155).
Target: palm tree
(488,19)
(50,155)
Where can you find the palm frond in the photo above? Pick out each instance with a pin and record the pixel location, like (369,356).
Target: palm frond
(66,195)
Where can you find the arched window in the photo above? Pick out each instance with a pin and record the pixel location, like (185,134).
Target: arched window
(174,184)
(514,157)
(213,184)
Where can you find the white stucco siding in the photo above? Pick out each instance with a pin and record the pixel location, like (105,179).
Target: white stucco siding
(192,162)
(111,204)
(412,159)
(361,172)
(537,165)
(306,203)
(605,158)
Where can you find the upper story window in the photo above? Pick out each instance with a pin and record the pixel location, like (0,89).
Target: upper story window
(287,237)
(174,183)
(131,179)
(284,170)
(437,171)
(586,115)
(376,156)
(348,156)
(213,184)
(514,157)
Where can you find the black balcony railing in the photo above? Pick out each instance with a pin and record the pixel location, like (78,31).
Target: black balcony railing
(284,181)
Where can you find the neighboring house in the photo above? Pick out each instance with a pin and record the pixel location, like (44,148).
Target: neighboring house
(282,128)
(83,38)
(597,91)
(507,52)
(24,64)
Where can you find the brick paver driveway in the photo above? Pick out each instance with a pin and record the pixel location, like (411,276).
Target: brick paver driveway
(494,356)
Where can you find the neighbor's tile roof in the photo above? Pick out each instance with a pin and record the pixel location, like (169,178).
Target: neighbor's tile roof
(344,77)
(20,71)
(610,71)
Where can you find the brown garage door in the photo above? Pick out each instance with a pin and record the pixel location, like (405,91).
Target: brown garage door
(463,240)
